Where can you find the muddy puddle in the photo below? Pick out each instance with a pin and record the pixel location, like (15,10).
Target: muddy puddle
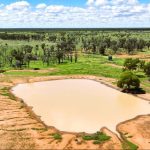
(80,105)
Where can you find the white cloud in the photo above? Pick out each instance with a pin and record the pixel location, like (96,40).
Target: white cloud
(98,13)
(138,9)
(124,2)
(18,5)
(133,1)
(90,2)
(55,8)
(41,6)
(118,2)
(96,2)
(100,2)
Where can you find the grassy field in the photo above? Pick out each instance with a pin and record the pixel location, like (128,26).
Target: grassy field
(87,65)
(89,45)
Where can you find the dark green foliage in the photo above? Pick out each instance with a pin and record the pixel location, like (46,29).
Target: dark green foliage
(129,45)
(131,64)
(128,80)
(129,145)
(110,58)
(6,92)
(61,46)
(147,69)
(148,44)
(114,46)
(97,142)
(97,137)
(87,137)
(102,48)
(2,71)
(142,64)
(36,68)
(57,136)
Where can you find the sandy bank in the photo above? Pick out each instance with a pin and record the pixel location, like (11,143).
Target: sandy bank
(17,117)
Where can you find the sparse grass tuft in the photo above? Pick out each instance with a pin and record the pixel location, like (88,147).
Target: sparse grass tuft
(57,136)
(97,137)
(129,145)
(40,129)
(5,92)
(126,144)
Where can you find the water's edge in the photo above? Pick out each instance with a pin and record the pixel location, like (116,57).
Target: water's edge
(94,78)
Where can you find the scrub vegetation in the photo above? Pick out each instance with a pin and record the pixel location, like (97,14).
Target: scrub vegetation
(97,138)
(123,55)
(57,136)
(128,144)
(93,52)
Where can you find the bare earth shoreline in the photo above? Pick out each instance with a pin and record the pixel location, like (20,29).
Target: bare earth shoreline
(20,128)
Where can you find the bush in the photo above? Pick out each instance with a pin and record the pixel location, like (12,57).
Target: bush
(110,58)
(131,64)
(147,69)
(141,64)
(97,137)
(36,68)
(128,81)
(2,71)
(57,136)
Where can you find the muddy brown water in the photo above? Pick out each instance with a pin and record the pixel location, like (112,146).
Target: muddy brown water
(80,105)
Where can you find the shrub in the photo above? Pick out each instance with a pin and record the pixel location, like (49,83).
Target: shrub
(2,71)
(110,58)
(36,68)
(141,64)
(57,136)
(147,69)
(97,137)
(128,81)
(131,64)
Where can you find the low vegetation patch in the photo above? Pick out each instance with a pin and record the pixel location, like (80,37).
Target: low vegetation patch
(147,69)
(39,129)
(130,83)
(97,138)
(129,145)
(128,80)
(57,136)
(2,71)
(5,92)
(126,144)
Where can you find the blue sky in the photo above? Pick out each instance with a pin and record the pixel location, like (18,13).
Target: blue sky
(74,13)
(58,2)
(54,2)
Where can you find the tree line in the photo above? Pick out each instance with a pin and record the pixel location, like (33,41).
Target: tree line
(21,56)
(66,45)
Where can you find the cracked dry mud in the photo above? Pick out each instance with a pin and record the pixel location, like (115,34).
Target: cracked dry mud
(20,128)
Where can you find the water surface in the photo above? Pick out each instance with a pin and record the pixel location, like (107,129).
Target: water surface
(79,105)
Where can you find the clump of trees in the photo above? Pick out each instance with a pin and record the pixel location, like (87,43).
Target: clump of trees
(103,43)
(131,64)
(128,81)
(20,56)
(61,46)
(134,64)
(147,69)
